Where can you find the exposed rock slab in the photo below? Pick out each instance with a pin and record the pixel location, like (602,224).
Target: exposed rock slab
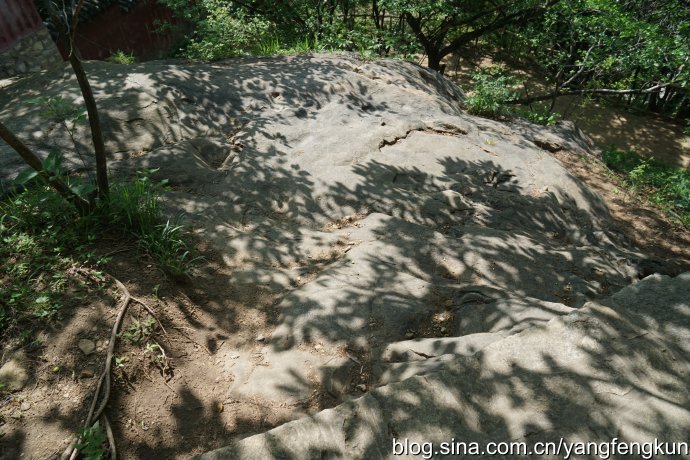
(411,247)
(578,378)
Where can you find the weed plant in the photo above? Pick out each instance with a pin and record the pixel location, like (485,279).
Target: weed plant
(120,57)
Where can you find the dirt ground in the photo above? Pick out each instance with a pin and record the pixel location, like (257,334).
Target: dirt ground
(168,405)
(646,226)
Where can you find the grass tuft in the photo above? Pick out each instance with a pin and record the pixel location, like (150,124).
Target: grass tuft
(120,57)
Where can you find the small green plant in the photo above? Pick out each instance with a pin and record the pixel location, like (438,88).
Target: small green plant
(93,441)
(269,47)
(134,206)
(167,244)
(59,109)
(120,361)
(139,331)
(120,57)
(539,116)
(155,351)
(492,90)
(68,114)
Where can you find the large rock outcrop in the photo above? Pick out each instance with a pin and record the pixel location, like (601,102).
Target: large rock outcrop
(447,265)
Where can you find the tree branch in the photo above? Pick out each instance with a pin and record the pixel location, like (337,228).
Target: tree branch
(517,18)
(578,92)
(35,163)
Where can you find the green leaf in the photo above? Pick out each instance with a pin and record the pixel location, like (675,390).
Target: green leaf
(52,164)
(79,118)
(37,100)
(25,176)
(82,189)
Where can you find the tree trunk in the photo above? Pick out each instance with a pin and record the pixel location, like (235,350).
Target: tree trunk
(94,122)
(35,163)
(434,59)
(652,104)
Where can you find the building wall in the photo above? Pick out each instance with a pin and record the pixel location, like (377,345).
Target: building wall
(25,44)
(18,18)
(133,31)
(29,54)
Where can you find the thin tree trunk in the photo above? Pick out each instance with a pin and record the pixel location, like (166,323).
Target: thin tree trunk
(94,122)
(67,31)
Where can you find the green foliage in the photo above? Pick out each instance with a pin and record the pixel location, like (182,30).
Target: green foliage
(538,116)
(225,28)
(68,114)
(666,186)
(168,246)
(93,441)
(628,44)
(492,89)
(139,331)
(155,351)
(133,207)
(120,361)
(120,57)
(221,31)
(270,46)
(56,108)
(41,239)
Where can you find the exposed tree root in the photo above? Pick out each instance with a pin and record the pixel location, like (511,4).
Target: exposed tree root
(110,436)
(104,385)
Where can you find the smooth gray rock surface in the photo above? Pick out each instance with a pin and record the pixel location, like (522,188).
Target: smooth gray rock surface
(589,376)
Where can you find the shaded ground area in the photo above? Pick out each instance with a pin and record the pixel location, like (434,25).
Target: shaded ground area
(361,231)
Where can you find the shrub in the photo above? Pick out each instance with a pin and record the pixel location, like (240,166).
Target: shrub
(120,57)
(539,116)
(492,89)
(221,35)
